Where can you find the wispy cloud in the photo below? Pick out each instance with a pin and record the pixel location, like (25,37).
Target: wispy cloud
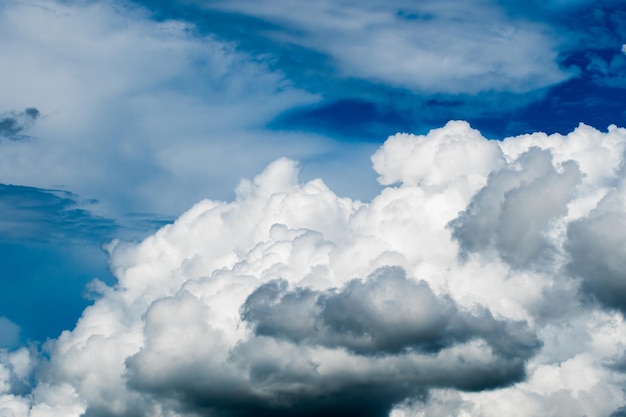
(49,216)
(451,47)
(12,123)
(505,65)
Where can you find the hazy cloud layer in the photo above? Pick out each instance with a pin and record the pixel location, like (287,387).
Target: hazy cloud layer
(491,284)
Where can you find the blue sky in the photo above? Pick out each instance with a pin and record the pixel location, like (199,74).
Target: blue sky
(118,116)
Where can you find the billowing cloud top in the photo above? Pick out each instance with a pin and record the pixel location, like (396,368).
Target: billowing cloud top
(490,277)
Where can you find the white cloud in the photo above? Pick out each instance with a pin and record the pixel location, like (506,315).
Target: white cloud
(454,153)
(16,368)
(291,300)
(434,46)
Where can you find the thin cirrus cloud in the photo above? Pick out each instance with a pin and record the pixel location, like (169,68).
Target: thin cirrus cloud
(432,47)
(291,300)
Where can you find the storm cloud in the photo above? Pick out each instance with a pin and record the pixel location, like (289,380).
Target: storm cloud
(384,315)
(355,351)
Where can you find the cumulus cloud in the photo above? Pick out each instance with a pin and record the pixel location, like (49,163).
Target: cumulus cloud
(387,313)
(461,289)
(513,210)
(16,367)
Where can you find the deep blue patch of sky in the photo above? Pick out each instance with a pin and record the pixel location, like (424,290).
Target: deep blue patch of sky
(42,284)
(51,246)
(356,120)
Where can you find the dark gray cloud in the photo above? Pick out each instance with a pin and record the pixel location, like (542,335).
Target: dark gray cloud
(513,210)
(386,314)
(14,123)
(352,351)
(367,398)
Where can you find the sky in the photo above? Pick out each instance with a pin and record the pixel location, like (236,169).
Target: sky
(289,208)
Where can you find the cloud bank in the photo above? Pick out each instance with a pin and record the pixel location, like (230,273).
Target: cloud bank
(485,278)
